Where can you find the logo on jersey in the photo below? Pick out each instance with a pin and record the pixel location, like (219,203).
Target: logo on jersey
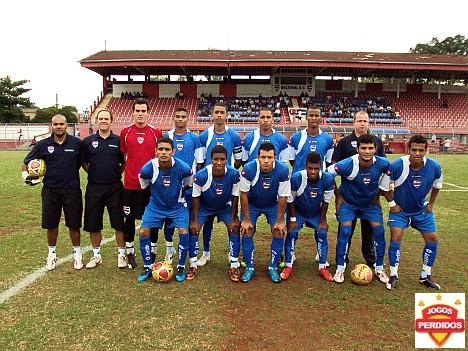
(140,140)
(50,149)
(166,181)
(313,145)
(179,146)
(417,181)
(439,320)
(126,210)
(313,192)
(366,178)
(266,182)
(354,144)
(95,143)
(219,188)
(220,141)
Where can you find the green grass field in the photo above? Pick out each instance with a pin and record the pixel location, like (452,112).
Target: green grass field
(107,309)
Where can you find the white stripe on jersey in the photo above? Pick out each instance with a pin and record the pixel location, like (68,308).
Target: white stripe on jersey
(209,179)
(355,170)
(257,173)
(284,189)
(303,185)
(405,172)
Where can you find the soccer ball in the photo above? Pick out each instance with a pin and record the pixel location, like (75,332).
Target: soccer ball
(162,272)
(361,274)
(37,168)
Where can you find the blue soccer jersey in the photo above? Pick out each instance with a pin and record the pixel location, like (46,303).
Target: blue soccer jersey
(253,140)
(308,196)
(264,188)
(215,193)
(166,185)
(301,144)
(187,148)
(230,139)
(359,186)
(412,187)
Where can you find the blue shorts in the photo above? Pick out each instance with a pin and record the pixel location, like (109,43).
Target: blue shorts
(309,222)
(269,212)
(155,218)
(223,215)
(347,213)
(424,222)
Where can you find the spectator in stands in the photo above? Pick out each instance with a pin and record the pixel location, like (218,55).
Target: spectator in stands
(433,138)
(20,134)
(447,144)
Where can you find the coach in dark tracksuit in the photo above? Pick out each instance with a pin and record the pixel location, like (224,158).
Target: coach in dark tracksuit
(345,148)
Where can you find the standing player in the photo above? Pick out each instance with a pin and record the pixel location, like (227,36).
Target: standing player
(216,194)
(61,153)
(413,176)
(310,139)
(358,198)
(187,148)
(218,134)
(345,148)
(311,191)
(167,177)
(138,142)
(264,134)
(102,159)
(265,188)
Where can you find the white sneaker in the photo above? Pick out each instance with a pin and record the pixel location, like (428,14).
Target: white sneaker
(94,261)
(169,256)
(51,262)
(382,276)
(203,260)
(77,263)
(339,276)
(122,262)
(317,259)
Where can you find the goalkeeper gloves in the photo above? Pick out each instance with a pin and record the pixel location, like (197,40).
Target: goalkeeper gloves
(30,180)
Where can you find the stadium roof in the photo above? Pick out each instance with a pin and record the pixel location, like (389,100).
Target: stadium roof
(318,63)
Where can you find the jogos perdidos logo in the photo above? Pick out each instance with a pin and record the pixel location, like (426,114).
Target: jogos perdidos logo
(439,320)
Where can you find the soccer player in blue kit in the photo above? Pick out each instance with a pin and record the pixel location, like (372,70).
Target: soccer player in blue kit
(216,194)
(166,177)
(311,191)
(218,134)
(264,188)
(265,133)
(413,177)
(187,148)
(310,139)
(358,197)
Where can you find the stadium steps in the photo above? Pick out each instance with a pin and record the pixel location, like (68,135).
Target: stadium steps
(102,106)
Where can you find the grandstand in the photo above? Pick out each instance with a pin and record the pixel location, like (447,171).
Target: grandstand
(384,84)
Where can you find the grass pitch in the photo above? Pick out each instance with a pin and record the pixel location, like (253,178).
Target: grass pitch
(106,308)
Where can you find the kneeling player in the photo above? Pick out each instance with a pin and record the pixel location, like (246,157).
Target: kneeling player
(413,176)
(358,198)
(216,194)
(265,188)
(311,191)
(166,177)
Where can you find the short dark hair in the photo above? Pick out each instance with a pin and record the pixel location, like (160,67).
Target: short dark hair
(366,139)
(313,157)
(110,114)
(220,104)
(265,108)
(166,140)
(218,149)
(180,109)
(140,101)
(266,147)
(417,139)
(313,107)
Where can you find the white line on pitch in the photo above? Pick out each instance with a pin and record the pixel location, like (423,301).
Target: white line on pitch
(456,186)
(455,190)
(31,278)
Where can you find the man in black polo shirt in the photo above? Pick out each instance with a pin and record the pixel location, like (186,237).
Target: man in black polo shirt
(61,153)
(345,148)
(102,159)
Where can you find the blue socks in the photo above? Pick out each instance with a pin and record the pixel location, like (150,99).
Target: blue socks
(184,241)
(429,253)
(145,249)
(394,253)
(289,246)
(248,250)
(193,246)
(207,230)
(234,245)
(344,234)
(322,245)
(276,250)
(379,244)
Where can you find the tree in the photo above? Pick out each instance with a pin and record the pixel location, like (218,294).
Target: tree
(457,45)
(11,100)
(45,114)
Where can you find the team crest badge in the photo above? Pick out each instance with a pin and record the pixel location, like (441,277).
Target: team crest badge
(417,181)
(219,188)
(439,320)
(366,178)
(140,140)
(166,181)
(126,210)
(313,146)
(266,182)
(95,143)
(354,144)
(50,149)
(313,192)
(179,146)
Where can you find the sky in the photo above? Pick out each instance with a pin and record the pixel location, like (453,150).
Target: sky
(43,41)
